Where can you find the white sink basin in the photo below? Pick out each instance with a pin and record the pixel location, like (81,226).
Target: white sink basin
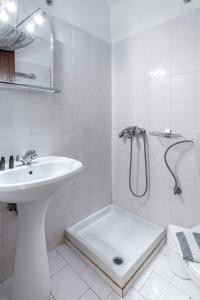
(25,183)
(31,187)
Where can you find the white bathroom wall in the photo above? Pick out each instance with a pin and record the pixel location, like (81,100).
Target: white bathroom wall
(75,123)
(92,16)
(156,80)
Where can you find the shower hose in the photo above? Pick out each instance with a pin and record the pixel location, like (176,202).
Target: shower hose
(177,189)
(146,168)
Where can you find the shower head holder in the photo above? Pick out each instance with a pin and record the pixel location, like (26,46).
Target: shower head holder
(177,190)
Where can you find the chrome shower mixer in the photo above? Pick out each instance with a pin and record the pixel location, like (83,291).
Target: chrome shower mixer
(132,131)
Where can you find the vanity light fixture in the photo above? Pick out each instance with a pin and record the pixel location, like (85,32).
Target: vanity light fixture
(11,6)
(30,27)
(37,18)
(7,6)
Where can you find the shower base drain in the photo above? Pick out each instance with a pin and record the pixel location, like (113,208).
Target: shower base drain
(118,261)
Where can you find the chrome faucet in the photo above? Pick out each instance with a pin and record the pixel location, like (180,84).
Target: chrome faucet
(27,158)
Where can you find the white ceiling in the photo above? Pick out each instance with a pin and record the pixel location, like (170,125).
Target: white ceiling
(111,2)
(128,17)
(113,20)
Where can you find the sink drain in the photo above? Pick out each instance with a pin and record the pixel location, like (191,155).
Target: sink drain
(118,261)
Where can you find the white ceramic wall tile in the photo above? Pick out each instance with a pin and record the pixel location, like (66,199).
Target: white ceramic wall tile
(183,88)
(159,117)
(15,119)
(198,117)
(158,50)
(63,64)
(80,118)
(197,54)
(198,86)
(121,94)
(198,23)
(14,146)
(160,91)
(141,116)
(43,143)
(162,65)
(79,92)
(41,118)
(81,55)
(140,93)
(122,117)
(183,57)
(121,61)
(183,117)
(62,118)
(138,56)
(63,145)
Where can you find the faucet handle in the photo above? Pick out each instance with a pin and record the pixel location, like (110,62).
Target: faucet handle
(19,158)
(34,154)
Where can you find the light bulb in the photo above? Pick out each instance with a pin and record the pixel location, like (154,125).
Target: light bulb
(30,27)
(39,19)
(11,6)
(3,15)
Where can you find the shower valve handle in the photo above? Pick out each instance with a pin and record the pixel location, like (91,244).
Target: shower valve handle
(132,131)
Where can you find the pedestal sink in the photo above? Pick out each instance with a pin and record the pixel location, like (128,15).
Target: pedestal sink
(30,187)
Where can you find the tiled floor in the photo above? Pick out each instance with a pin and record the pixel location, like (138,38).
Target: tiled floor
(72,279)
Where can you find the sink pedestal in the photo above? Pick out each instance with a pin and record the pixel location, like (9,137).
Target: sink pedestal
(31,271)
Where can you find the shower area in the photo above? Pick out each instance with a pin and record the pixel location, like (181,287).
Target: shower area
(155,166)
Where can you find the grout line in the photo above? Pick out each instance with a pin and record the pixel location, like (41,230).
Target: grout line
(84,293)
(59,271)
(90,289)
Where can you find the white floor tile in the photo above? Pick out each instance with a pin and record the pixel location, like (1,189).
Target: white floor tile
(67,285)
(3,293)
(188,287)
(161,265)
(56,262)
(132,295)
(100,287)
(142,279)
(72,258)
(157,288)
(165,250)
(89,295)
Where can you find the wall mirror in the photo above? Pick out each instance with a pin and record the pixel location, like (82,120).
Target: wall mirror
(26,44)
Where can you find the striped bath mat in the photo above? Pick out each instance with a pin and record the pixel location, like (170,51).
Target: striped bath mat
(189,243)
